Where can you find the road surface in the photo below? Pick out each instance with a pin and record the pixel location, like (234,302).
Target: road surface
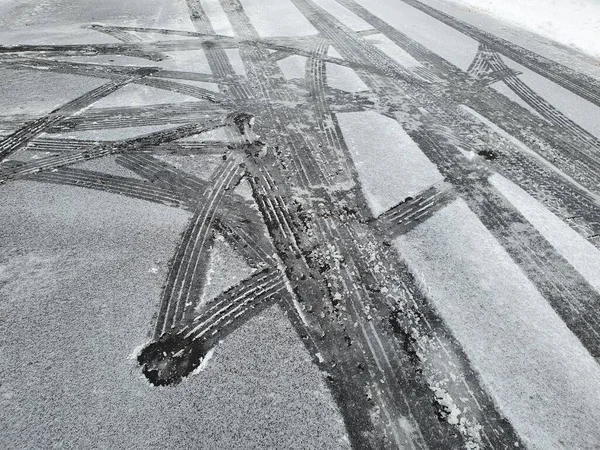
(295,224)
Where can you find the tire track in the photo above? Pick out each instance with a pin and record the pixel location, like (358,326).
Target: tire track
(128,145)
(575,301)
(582,85)
(147,50)
(21,137)
(550,142)
(185,281)
(412,211)
(186,89)
(109,183)
(217,58)
(135,117)
(367,351)
(544,108)
(61,145)
(239,223)
(167,360)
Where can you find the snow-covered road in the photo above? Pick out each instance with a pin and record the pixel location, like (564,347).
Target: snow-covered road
(295,224)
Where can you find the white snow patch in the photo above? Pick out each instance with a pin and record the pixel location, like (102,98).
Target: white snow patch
(277,18)
(398,54)
(333,53)
(293,67)
(344,78)
(581,111)
(450,44)
(344,15)
(186,60)
(204,364)
(139,95)
(538,373)
(233,54)
(136,351)
(390,165)
(503,89)
(217,17)
(581,254)
(575,23)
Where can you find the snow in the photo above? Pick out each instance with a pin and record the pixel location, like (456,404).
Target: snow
(539,374)
(575,23)
(398,54)
(390,165)
(447,42)
(233,54)
(217,17)
(140,95)
(579,110)
(580,253)
(277,18)
(344,79)
(292,67)
(342,14)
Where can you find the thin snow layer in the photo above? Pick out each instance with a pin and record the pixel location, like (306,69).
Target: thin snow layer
(217,17)
(293,67)
(390,165)
(113,134)
(344,15)
(226,268)
(537,371)
(186,60)
(140,95)
(581,111)
(571,22)
(581,254)
(277,18)
(233,54)
(20,91)
(450,44)
(201,166)
(398,54)
(344,78)
(333,53)
(503,89)
(81,273)
(55,34)
(143,13)
(107,165)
